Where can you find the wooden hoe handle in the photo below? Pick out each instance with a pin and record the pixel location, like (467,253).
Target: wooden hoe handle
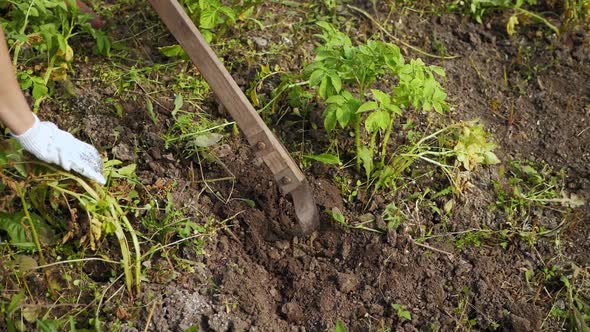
(286,172)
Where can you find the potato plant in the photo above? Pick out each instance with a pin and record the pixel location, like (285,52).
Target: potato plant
(347,76)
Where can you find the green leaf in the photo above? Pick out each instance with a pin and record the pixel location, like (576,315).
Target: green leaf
(172,51)
(367,160)
(336,99)
(207,34)
(178,101)
(330,120)
(381,97)
(229,12)
(339,327)
(337,215)
(316,77)
(377,120)
(368,106)
(336,82)
(208,19)
(326,158)
(39,90)
(490,158)
(343,115)
(511,25)
(325,88)
(439,71)
(127,171)
(18,228)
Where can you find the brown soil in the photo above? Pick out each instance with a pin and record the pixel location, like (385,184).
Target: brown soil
(530,92)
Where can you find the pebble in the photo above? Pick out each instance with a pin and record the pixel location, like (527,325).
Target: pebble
(260,42)
(347,282)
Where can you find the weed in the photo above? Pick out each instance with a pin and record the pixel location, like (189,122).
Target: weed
(213,15)
(401,311)
(479,8)
(100,206)
(531,187)
(39,34)
(193,130)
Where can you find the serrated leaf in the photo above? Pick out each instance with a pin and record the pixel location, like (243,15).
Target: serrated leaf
(343,115)
(490,158)
(172,51)
(338,216)
(178,102)
(39,90)
(229,13)
(127,171)
(18,228)
(325,87)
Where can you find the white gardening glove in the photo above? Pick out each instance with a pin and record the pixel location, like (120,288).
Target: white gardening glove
(52,145)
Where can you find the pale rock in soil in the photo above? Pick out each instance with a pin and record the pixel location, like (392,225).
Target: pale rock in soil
(347,282)
(124,152)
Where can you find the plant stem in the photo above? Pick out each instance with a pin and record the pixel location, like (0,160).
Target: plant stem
(538,17)
(372,150)
(386,141)
(135,247)
(357,139)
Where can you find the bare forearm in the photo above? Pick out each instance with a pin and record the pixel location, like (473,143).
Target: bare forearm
(15,113)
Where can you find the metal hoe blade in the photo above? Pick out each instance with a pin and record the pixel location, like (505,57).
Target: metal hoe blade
(305,208)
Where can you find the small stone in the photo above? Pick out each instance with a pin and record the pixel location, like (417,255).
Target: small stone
(298,253)
(347,282)
(274,255)
(157,168)
(282,245)
(123,152)
(376,309)
(292,312)
(260,42)
(155,153)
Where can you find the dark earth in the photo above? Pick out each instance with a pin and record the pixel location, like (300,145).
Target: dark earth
(530,90)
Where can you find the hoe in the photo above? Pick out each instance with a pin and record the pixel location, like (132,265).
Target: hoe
(287,174)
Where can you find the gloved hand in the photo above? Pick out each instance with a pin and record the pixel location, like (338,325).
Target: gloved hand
(52,145)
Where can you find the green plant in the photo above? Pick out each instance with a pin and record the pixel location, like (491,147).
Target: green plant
(480,8)
(339,327)
(530,187)
(194,130)
(467,142)
(402,311)
(213,15)
(344,74)
(48,191)
(39,33)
